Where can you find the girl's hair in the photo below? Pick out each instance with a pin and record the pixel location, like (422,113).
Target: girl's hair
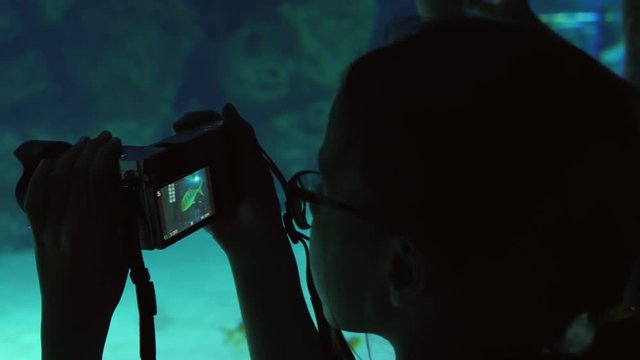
(510,157)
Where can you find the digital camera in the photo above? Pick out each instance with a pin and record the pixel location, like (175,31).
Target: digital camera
(182,183)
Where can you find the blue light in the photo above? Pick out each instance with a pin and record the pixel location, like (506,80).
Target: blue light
(574,19)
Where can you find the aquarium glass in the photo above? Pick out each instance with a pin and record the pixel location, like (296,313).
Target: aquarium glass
(70,68)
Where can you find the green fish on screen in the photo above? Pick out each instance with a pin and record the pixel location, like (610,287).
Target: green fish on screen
(189,198)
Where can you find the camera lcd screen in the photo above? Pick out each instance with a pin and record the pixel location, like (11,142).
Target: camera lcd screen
(185,202)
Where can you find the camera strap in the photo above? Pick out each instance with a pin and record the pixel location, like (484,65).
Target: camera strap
(334,345)
(146,296)
(145,292)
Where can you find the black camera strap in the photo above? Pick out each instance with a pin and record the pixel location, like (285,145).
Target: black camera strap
(145,292)
(146,296)
(334,345)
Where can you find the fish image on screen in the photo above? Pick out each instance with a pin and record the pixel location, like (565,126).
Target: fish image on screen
(185,203)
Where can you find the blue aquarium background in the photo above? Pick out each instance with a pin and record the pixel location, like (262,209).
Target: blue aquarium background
(70,68)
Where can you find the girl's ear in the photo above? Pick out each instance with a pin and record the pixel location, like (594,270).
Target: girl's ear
(406,271)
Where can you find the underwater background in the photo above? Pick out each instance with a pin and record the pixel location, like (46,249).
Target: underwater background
(70,68)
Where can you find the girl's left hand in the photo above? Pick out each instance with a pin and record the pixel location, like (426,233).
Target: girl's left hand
(75,208)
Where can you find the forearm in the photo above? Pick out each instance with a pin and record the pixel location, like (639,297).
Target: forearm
(72,336)
(277,322)
(631,9)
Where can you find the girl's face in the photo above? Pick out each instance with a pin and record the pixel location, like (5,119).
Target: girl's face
(367,282)
(345,254)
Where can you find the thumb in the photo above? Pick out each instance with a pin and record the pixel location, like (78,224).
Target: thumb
(242,136)
(232,117)
(254,176)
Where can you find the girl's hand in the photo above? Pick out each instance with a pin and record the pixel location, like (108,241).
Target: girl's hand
(75,210)
(259,217)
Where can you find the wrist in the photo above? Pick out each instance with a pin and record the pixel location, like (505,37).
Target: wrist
(270,244)
(260,239)
(73,334)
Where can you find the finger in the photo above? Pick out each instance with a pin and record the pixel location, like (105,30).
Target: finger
(249,163)
(59,183)
(241,134)
(231,116)
(79,183)
(79,196)
(35,201)
(104,183)
(195,119)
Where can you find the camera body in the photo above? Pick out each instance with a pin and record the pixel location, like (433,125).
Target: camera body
(181,183)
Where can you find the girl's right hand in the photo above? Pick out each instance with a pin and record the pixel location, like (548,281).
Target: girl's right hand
(258,217)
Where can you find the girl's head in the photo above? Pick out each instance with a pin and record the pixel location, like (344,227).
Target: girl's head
(504,164)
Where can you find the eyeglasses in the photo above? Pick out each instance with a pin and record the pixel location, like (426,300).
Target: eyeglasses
(304,196)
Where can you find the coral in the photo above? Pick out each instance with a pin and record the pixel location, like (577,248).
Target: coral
(236,337)
(10,24)
(132,131)
(289,145)
(296,135)
(17,235)
(22,76)
(136,69)
(310,119)
(302,42)
(10,165)
(255,68)
(54,10)
(289,60)
(114,65)
(331,34)
(118,65)
(285,65)
(316,115)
